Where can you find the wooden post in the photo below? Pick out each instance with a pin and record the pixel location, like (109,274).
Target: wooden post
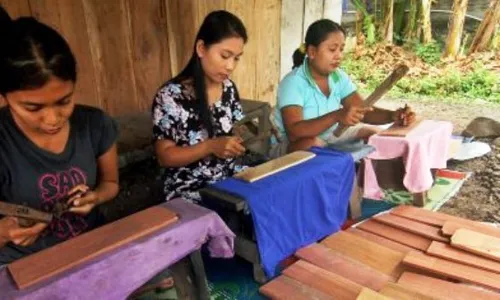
(455,29)
(292,16)
(333,10)
(190,279)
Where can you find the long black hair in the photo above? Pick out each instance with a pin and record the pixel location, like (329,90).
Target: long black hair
(31,53)
(217,26)
(316,33)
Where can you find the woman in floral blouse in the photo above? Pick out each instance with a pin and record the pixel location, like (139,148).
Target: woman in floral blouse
(193,113)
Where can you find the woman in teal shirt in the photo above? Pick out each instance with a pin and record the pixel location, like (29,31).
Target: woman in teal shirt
(317,95)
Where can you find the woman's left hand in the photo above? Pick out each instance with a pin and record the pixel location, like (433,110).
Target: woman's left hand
(83,201)
(403,116)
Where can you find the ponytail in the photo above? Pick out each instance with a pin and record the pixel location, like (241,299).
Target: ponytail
(5,21)
(316,33)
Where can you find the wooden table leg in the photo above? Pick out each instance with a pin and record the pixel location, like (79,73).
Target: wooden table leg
(419,199)
(355,200)
(190,278)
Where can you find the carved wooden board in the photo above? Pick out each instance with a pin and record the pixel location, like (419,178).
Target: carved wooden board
(478,243)
(274,166)
(74,252)
(397,130)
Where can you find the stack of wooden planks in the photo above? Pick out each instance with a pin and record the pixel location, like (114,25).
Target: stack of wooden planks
(408,253)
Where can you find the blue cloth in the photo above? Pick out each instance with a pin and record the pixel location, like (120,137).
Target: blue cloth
(298,88)
(297,206)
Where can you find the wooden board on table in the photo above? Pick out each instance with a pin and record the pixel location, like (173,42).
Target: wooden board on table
(274,166)
(322,280)
(398,130)
(81,249)
(366,252)
(344,266)
(449,228)
(381,240)
(478,243)
(453,270)
(401,292)
(418,228)
(442,289)
(284,287)
(426,216)
(448,252)
(400,236)
(367,294)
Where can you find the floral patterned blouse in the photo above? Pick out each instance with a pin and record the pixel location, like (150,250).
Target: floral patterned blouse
(175,118)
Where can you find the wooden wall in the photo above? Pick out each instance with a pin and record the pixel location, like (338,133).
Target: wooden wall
(127,48)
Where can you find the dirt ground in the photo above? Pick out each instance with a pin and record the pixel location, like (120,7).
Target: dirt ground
(479,198)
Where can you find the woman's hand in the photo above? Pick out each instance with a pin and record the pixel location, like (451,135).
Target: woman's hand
(403,116)
(352,115)
(83,200)
(11,231)
(227,147)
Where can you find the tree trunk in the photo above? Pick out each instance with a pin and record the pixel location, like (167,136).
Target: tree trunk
(455,29)
(388,24)
(425,21)
(399,17)
(411,25)
(360,39)
(486,30)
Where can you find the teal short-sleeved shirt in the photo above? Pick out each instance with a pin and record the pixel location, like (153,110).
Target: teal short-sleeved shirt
(298,88)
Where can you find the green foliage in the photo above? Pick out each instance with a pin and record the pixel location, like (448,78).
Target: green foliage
(429,53)
(479,83)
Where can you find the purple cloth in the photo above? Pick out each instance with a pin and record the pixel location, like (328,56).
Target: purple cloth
(117,274)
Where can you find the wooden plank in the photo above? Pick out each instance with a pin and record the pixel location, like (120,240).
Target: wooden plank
(205,7)
(426,216)
(342,265)
(448,252)
(245,74)
(478,243)
(88,246)
(109,29)
(400,236)
(369,253)
(367,294)
(151,59)
(291,36)
(450,227)
(17,8)
(381,240)
(267,32)
(313,11)
(442,289)
(453,270)
(182,29)
(401,292)
(67,18)
(284,287)
(322,280)
(274,166)
(412,226)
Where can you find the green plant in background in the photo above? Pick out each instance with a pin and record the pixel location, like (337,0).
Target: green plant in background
(368,22)
(429,53)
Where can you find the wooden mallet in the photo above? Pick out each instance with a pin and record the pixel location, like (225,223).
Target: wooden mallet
(380,91)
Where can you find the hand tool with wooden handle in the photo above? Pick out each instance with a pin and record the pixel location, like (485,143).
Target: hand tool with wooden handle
(27,216)
(381,90)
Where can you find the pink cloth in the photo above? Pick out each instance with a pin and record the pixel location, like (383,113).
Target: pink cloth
(424,148)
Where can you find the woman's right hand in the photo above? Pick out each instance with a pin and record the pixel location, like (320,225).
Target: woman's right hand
(227,147)
(352,115)
(11,231)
